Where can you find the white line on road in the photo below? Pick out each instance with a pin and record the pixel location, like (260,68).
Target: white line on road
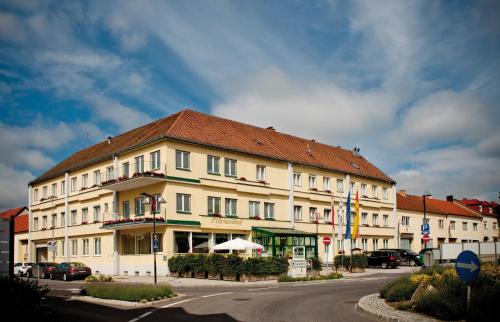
(172,304)
(262,288)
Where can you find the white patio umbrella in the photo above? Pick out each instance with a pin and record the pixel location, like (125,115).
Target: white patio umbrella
(238,244)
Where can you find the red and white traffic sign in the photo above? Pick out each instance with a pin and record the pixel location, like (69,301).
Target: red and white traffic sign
(426,238)
(327,240)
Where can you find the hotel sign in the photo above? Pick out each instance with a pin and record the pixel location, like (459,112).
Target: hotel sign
(226,221)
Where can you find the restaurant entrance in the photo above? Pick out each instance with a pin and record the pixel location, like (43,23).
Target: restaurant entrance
(280,241)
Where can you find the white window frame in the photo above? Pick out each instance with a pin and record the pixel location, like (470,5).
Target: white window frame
(35,223)
(126,169)
(97,177)
(213,204)
(297,179)
(85,215)
(261,173)
(384,193)
(44,222)
(74,217)
(312,181)
(155,159)
(85,180)
(364,244)
(327,214)
(97,246)
(441,223)
(363,189)
(45,192)
(353,187)
(213,164)
(63,219)
(364,218)
(97,213)
(474,226)
(182,161)
(297,212)
(54,190)
(452,225)
(35,195)
(231,207)
(374,192)
(340,185)
(253,209)
(110,173)
(327,184)
(74,247)
(63,187)
(385,219)
(229,164)
(268,210)
(85,247)
(375,219)
(185,203)
(139,164)
(405,220)
(73,184)
(464,226)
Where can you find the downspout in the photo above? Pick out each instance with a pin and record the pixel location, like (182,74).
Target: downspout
(291,216)
(30,223)
(66,215)
(395,214)
(116,256)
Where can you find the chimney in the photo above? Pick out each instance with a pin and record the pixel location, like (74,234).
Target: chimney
(403,192)
(355,151)
(109,139)
(309,149)
(449,198)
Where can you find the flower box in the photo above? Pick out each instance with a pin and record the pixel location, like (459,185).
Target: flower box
(313,189)
(376,225)
(256,217)
(44,228)
(243,178)
(84,222)
(96,221)
(83,188)
(270,219)
(262,181)
(108,182)
(328,222)
(215,215)
(315,221)
(123,178)
(328,191)
(365,225)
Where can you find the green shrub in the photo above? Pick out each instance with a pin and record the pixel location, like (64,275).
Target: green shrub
(23,300)
(98,278)
(399,289)
(233,266)
(342,261)
(316,263)
(127,292)
(287,278)
(359,260)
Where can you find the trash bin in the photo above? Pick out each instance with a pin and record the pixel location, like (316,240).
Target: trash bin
(428,258)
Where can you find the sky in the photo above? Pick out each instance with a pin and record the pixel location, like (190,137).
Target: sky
(413,84)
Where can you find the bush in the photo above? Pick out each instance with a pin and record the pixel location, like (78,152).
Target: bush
(128,292)
(99,278)
(342,261)
(398,290)
(23,300)
(359,260)
(316,263)
(287,278)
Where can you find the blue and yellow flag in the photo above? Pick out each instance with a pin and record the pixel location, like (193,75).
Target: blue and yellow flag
(348,217)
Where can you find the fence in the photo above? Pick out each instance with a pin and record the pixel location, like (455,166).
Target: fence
(486,251)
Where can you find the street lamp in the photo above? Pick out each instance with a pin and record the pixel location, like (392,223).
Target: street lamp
(147,199)
(425,195)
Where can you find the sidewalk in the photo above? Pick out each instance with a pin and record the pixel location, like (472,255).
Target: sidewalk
(372,271)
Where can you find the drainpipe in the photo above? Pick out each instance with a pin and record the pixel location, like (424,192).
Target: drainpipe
(30,216)
(395,218)
(116,255)
(66,215)
(290,194)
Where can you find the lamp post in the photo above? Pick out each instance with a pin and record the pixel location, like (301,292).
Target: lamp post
(425,195)
(161,200)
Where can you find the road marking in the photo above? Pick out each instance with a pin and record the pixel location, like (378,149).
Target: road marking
(172,304)
(262,288)
(73,289)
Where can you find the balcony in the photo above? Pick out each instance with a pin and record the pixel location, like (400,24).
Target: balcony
(123,182)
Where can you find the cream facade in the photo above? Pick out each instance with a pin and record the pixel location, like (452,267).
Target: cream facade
(97,216)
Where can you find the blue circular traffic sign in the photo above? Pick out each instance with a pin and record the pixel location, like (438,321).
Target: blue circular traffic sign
(467,266)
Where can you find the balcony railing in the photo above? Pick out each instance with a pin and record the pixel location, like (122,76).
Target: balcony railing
(131,177)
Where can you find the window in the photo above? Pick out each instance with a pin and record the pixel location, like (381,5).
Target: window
(110,174)
(231,206)
(230,167)
(313,214)
(183,203)
(254,209)
(139,164)
(268,210)
(155,160)
(63,248)
(386,243)
(480,208)
(340,185)
(405,221)
(126,209)
(464,226)
(386,220)
(73,217)
(327,215)
(213,164)
(474,226)
(97,213)
(213,206)
(364,218)
(326,184)
(441,223)
(54,190)
(106,207)
(136,244)
(97,177)
(375,219)
(85,179)
(63,187)
(297,213)
(63,219)
(155,205)
(97,246)
(490,210)
(495,226)
(35,194)
(139,206)
(452,225)
(363,190)
(425,221)
(125,169)
(85,215)
(74,247)
(297,180)
(384,193)
(312,182)
(85,247)
(35,224)
(485,225)
(182,160)
(353,187)
(159,237)
(261,173)
(364,244)
(44,222)
(375,243)
(374,192)
(73,184)
(44,193)
(181,242)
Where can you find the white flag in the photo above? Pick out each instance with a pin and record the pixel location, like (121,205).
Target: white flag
(340,236)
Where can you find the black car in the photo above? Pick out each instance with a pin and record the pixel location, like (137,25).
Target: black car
(41,270)
(70,270)
(408,257)
(384,258)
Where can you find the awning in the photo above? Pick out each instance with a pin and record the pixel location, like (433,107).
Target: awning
(282,232)
(117,225)
(406,235)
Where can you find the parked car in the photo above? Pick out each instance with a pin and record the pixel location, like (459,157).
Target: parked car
(408,257)
(384,258)
(70,270)
(22,269)
(41,270)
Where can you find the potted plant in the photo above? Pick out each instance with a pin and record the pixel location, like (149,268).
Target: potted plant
(84,222)
(256,217)
(215,215)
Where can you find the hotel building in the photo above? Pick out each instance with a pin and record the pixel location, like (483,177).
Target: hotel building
(206,180)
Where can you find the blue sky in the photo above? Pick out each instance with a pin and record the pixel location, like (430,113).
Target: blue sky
(414,84)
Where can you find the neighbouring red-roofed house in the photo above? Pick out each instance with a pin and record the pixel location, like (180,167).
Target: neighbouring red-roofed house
(21,228)
(490,211)
(450,221)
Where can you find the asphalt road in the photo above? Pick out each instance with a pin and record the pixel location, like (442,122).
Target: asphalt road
(317,301)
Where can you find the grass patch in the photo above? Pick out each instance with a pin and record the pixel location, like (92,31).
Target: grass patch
(128,292)
(331,276)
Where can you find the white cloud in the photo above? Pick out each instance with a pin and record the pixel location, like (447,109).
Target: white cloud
(14,184)
(11,29)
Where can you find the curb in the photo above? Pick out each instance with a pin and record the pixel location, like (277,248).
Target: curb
(123,304)
(375,307)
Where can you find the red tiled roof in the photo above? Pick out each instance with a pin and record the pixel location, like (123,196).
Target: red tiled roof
(200,128)
(486,205)
(21,221)
(415,203)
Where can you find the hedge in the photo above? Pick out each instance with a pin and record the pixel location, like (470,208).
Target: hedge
(358,261)
(229,265)
(128,292)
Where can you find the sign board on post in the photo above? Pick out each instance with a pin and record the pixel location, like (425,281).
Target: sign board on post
(468,268)
(426,238)
(425,229)
(327,240)
(52,246)
(298,265)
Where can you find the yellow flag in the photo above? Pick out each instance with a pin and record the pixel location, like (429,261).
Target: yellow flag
(355,228)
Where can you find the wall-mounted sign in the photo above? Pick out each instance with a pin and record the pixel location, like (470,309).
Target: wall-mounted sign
(226,221)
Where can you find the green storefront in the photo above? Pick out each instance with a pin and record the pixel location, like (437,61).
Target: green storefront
(280,241)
